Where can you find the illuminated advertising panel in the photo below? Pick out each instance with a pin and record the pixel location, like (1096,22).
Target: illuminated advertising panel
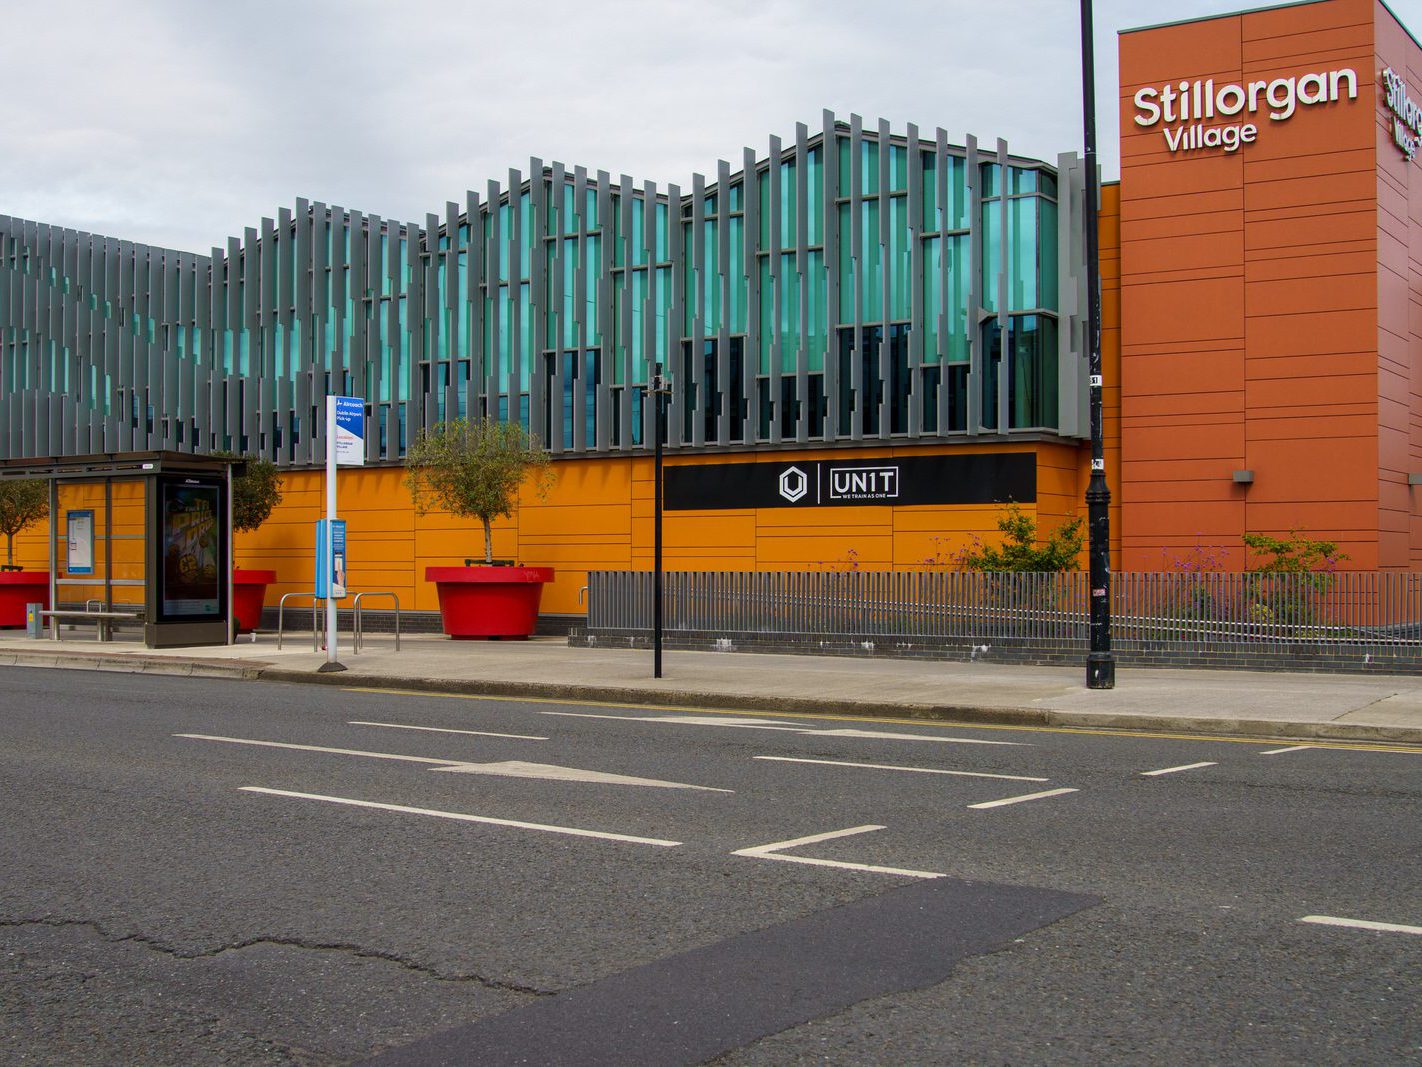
(192,582)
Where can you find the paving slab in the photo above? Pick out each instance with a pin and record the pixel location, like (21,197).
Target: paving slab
(1359,708)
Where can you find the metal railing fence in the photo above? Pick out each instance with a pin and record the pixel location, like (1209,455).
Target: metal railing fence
(1360,611)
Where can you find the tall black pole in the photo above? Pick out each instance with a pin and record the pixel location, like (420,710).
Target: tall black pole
(1100,663)
(659,395)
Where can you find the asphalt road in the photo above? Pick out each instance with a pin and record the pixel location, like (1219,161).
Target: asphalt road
(197,871)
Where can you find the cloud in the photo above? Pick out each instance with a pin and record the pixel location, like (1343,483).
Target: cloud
(179,122)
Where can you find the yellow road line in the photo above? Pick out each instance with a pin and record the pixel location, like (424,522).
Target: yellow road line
(946,724)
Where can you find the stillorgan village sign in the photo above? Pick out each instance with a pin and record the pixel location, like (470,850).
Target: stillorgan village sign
(1406,115)
(1189,106)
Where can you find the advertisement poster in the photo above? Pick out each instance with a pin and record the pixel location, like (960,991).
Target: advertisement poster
(80,557)
(192,558)
(348,430)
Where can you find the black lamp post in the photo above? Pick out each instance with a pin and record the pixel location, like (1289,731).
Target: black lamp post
(1100,663)
(659,391)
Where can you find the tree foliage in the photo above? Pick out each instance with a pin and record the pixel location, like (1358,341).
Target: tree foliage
(255,492)
(1295,554)
(474,468)
(1019,550)
(22,501)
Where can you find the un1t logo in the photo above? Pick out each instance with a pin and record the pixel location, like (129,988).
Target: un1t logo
(794,484)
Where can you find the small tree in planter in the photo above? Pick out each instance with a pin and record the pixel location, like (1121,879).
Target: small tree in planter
(474,468)
(255,494)
(22,501)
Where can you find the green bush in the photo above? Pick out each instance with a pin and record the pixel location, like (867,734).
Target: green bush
(1019,550)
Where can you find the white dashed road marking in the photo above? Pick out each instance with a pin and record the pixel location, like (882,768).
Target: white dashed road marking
(774,851)
(1291,748)
(444,730)
(459,816)
(502,769)
(916,770)
(1172,770)
(771,724)
(1361,924)
(1024,798)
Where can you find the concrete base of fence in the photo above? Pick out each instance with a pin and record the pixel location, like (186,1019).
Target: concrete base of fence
(1304,658)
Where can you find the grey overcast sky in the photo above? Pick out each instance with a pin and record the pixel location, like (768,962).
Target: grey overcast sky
(179,122)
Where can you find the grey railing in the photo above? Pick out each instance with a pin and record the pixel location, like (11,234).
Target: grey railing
(1214,612)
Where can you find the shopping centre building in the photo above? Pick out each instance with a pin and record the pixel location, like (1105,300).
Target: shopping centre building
(898,318)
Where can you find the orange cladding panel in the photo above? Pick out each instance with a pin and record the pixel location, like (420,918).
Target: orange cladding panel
(1250,291)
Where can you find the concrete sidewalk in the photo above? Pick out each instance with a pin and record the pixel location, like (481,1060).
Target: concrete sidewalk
(1226,703)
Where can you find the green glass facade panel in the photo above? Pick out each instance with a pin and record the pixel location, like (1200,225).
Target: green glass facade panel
(869,167)
(898,169)
(989,179)
(1022,253)
(846,266)
(594,260)
(711,280)
(900,245)
(932,300)
(1033,384)
(528,235)
(873,267)
(789,313)
(788,205)
(766,321)
(735,269)
(664,316)
(637,239)
(663,235)
(960,279)
(815,192)
(817,296)
(1021,180)
(992,252)
(1047,268)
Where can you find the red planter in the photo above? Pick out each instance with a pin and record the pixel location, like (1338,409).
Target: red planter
(249,590)
(18,588)
(489,601)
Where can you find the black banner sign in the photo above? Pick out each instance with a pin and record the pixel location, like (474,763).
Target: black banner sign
(991,478)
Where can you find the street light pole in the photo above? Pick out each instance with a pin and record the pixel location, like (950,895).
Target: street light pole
(1100,663)
(659,392)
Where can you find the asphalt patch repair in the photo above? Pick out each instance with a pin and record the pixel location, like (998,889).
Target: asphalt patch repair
(694,1006)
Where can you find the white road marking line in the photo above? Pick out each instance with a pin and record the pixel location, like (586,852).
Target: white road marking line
(1361,924)
(462,817)
(890,767)
(552,772)
(691,720)
(1281,751)
(321,748)
(1172,770)
(443,730)
(886,735)
(504,769)
(1024,798)
(773,852)
(772,724)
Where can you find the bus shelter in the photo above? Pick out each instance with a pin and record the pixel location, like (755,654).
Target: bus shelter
(181,514)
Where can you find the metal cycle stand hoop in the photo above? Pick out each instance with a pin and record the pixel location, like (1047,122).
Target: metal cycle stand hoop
(281,620)
(358,628)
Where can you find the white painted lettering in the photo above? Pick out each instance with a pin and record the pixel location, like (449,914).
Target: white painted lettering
(1148,108)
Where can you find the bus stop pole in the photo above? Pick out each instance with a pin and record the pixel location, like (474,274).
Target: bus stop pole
(332,663)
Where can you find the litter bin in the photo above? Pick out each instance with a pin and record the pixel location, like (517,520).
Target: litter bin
(34,621)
